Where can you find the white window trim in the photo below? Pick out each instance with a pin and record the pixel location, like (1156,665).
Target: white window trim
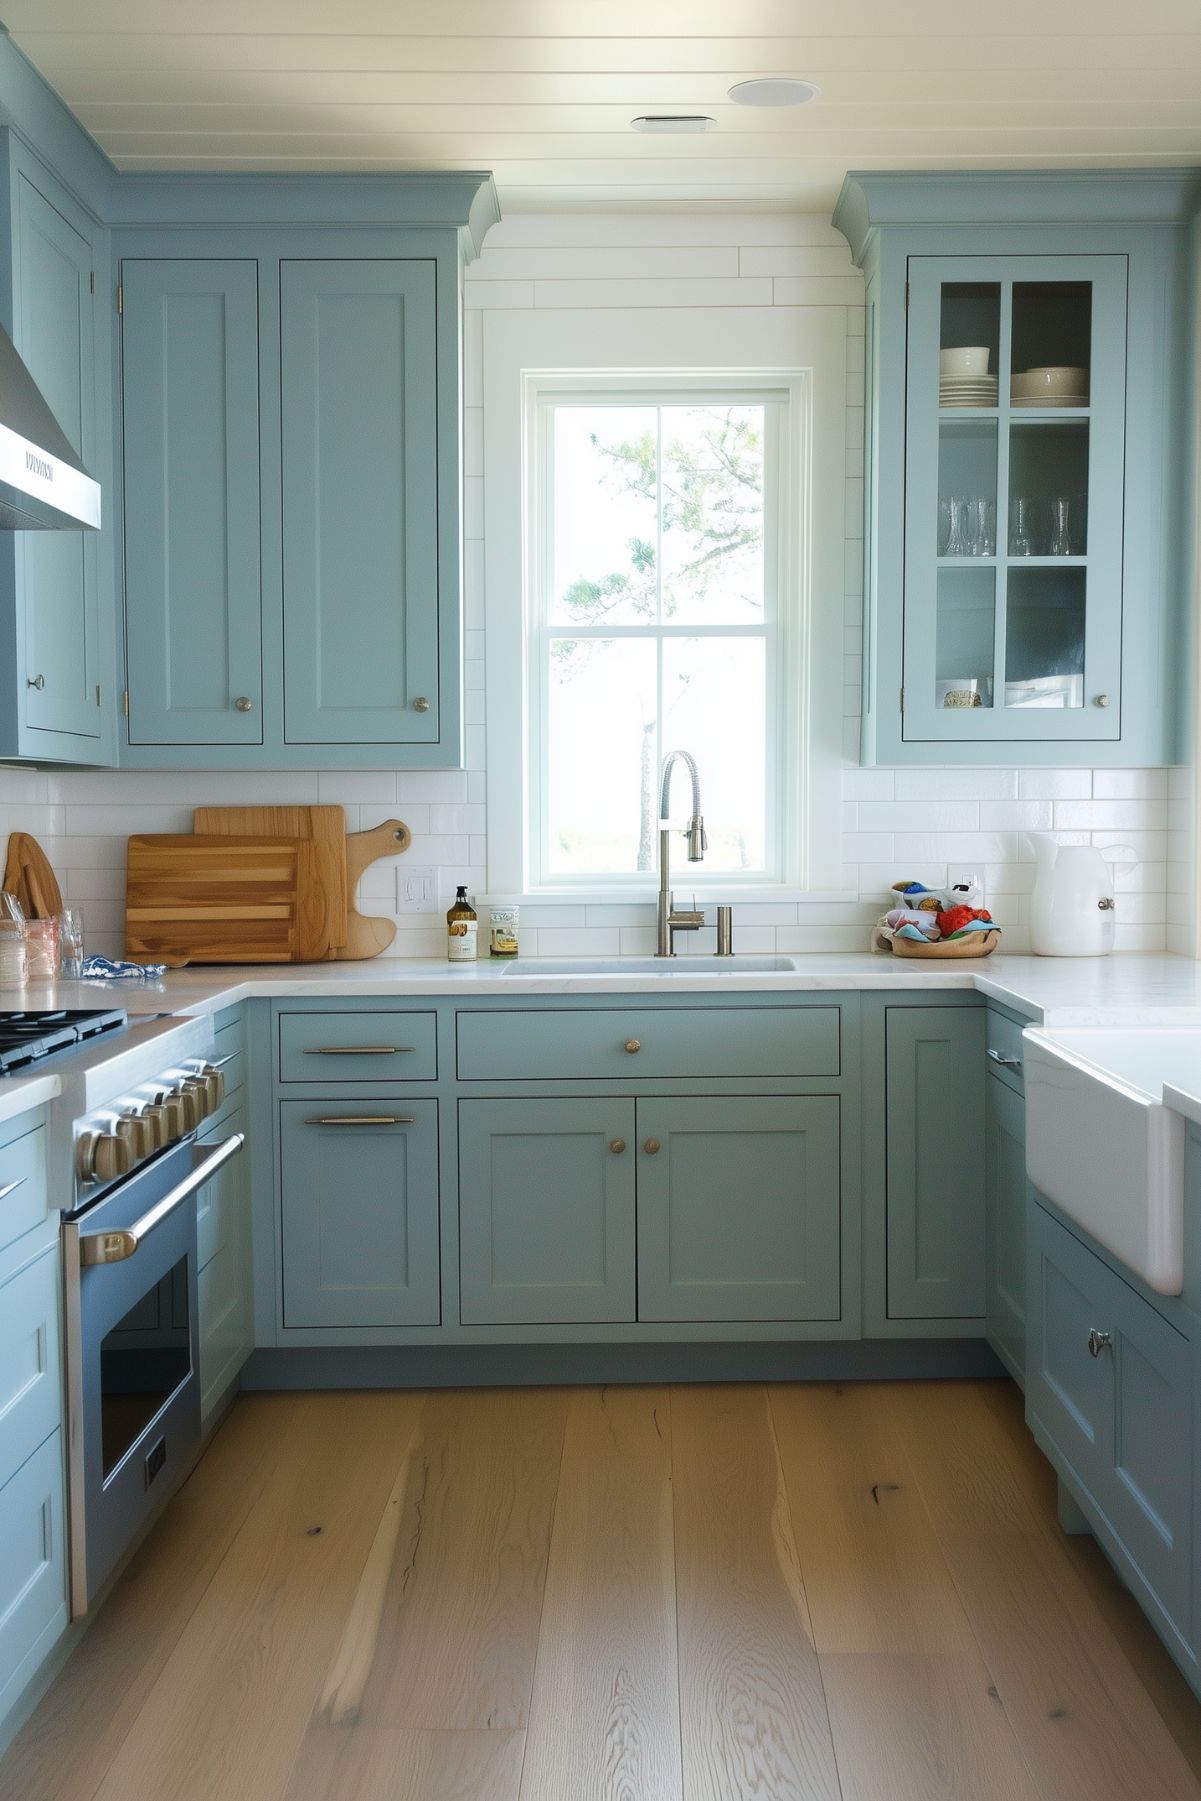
(801,348)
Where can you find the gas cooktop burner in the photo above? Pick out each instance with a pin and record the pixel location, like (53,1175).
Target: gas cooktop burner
(27,1038)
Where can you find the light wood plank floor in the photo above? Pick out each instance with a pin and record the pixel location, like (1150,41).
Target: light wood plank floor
(811,1593)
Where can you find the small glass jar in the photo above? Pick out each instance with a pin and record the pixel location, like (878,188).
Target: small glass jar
(41,950)
(12,942)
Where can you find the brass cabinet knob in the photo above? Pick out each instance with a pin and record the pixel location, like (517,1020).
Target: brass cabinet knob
(632,1045)
(1101,700)
(421,704)
(617,1146)
(652,1147)
(244,704)
(35,681)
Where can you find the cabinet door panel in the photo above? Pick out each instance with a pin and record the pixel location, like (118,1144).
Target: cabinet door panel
(57,570)
(33,1568)
(30,1371)
(225,1288)
(360,1214)
(1069,1392)
(739,1209)
(193,604)
(1006,1187)
(360,502)
(546,1211)
(935,1113)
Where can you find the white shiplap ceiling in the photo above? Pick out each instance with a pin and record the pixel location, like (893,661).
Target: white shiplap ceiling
(542,91)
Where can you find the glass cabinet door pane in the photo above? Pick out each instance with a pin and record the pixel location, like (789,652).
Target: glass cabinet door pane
(964,637)
(967,488)
(1051,344)
(1044,637)
(1048,488)
(969,344)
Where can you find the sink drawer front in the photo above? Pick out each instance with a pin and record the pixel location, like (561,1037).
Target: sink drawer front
(1003,1048)
(358,1047)
(578,1043)
(1121,1419)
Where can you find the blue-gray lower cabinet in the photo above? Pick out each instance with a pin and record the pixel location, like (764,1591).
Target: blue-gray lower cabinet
(738,1208)
(1005,1224)
(360,501)
(546,1211)
(359,1212)
(935,1077)
(193,595)
(1110,1399)
(33,1568)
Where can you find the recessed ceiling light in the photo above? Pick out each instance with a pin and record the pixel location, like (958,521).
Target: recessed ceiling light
(776,90)
(673,122)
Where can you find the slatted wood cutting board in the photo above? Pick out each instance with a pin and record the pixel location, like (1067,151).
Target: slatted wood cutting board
(326,826)
(218,899)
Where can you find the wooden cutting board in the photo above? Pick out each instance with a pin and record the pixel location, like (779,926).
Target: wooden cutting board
(28,875)
(367,937)
(218,899)
(325,826)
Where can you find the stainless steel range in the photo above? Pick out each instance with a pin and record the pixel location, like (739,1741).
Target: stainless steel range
(126,1168)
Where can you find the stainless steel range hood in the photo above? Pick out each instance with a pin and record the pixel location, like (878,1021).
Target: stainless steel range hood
(43,484)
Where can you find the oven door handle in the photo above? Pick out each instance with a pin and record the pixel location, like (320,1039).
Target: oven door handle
(115,1247)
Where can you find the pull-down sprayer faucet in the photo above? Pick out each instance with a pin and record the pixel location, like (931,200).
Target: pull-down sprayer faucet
(669,921)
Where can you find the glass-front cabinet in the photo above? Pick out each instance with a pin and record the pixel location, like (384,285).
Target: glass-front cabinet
(1013,529)
(1026,389)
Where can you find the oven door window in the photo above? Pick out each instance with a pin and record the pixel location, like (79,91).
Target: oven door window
(143,1361)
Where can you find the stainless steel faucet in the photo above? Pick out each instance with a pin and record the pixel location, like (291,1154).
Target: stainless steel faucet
(669,921)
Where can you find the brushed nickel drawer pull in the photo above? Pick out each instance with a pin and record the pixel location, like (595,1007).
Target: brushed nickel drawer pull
(362,1119)
(10,1186)
(360,1050)
(1099,1341)
(1002,1061)
(35,681)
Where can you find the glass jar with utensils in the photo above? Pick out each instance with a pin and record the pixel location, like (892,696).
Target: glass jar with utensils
(12,942)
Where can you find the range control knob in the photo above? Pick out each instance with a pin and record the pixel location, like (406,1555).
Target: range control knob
(172,1103)
(196,1092)
(138,1133)
(155,1117)
(186,1100)
(100,1156)
(214,1081)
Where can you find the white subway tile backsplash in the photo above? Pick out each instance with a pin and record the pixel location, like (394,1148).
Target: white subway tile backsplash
(1016,815)
(916,816)
(956,784)
(1055,784)
(1130,784)
(1111,815)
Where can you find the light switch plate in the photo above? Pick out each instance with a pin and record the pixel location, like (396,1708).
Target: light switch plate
(416,889)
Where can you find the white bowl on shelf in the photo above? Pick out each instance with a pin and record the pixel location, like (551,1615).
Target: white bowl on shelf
(964,359)
(1054,384)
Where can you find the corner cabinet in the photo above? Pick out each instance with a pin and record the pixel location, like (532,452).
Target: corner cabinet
(1025,441)
(56,693)
(291,428)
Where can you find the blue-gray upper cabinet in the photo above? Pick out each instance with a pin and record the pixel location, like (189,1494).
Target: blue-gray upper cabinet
(1024,443)
(935,1162)
(360,502)
(193,594)
(739,1208)
(56,636)
(546,1211)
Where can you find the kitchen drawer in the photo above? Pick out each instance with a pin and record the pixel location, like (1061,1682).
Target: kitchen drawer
(33,1568)
(30,1375)
(639,1043)
(358,1047)
(1003,1050)
(23,1191)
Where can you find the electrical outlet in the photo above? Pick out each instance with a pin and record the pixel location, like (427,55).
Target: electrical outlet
(416,889)
(967,873)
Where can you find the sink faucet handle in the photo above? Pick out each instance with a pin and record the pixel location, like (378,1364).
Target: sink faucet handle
(725,932)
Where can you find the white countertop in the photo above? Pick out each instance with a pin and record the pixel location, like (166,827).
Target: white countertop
(1129,990)
(1118,990)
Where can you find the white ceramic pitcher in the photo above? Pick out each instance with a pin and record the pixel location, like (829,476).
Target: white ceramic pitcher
(1072,906)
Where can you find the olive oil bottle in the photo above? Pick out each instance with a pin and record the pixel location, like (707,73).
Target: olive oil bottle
(462,929)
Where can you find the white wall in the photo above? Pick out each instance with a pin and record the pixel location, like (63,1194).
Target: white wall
(901,823)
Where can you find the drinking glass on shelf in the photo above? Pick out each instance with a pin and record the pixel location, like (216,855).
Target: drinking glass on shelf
(1061,532)
(1021,532)
(12,942)
(70,943)
(958,529)
(982,528)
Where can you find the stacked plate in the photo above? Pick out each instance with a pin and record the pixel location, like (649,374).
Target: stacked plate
(967,390)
